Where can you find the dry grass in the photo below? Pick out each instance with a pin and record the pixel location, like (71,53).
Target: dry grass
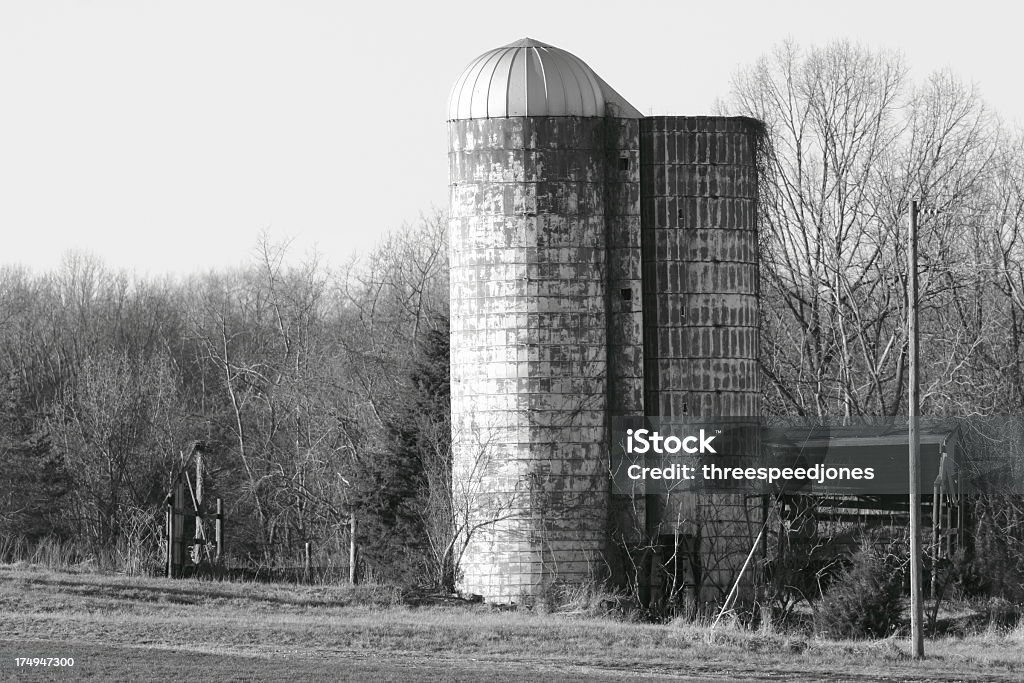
(366,632)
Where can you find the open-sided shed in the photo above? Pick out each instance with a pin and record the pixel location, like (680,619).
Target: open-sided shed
(881,449)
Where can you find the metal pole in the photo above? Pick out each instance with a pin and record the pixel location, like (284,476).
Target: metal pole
(916,608)
(736,585)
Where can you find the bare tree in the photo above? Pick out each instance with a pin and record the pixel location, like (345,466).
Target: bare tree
(849,141)
(111,429)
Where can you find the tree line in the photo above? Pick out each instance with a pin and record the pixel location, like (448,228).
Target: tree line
(316,395)
(323,393)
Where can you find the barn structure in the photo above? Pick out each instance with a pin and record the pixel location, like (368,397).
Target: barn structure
(603,264)
(193,528)
(883,444)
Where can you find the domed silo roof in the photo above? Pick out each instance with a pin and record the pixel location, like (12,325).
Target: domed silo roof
(531,78)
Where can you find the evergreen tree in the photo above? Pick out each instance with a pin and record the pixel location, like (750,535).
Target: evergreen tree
(395,491)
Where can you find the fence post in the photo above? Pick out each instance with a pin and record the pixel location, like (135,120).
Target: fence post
(352,550)
(218,528)
(200,530)
(168,548)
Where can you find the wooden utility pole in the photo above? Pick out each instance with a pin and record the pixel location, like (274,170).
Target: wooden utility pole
(916,608)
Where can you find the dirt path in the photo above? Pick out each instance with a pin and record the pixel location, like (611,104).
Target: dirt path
(126,662)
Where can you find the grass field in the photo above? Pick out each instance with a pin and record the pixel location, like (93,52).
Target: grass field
(140,629)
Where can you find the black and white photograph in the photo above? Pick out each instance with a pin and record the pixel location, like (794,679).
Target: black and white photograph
(542,341)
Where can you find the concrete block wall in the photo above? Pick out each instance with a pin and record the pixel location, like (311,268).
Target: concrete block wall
(529,364)
(698,195)
(625,328)
(625,266)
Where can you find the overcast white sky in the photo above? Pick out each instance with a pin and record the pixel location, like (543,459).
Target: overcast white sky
(165,136)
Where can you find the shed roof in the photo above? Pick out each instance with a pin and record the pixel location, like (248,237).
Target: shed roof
(885,448)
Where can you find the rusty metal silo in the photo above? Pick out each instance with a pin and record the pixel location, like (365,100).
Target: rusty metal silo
(698,201)
(700,253)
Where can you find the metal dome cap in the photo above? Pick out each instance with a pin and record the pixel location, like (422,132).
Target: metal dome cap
(531,78)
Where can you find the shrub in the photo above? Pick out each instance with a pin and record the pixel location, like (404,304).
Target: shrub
(995,565)
(587,599)
(866,599)
(802,570)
